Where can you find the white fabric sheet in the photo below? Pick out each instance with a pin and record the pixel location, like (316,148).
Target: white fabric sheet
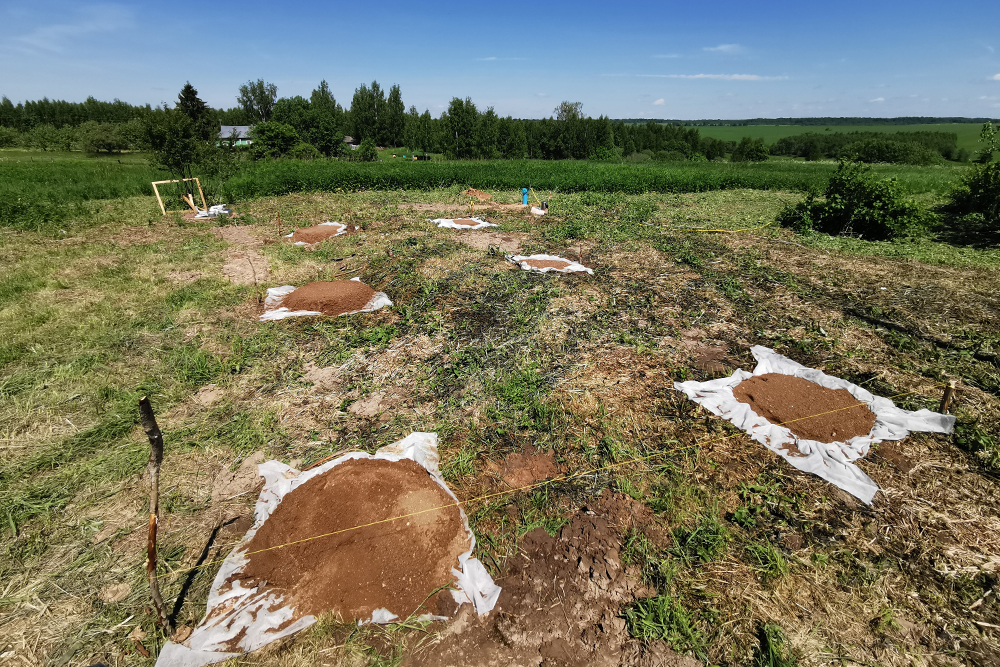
(275,294)
(259,614)
(833,462)
(573,267)
(451,224)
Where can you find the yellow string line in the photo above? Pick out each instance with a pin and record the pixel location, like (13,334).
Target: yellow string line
(529,486)
(535,196)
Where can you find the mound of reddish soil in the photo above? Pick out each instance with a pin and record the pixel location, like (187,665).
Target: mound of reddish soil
(317,233)
(466,222)
(394,565)
(560,605)
(547,263)
(478,194)
(330,298)
(808,410)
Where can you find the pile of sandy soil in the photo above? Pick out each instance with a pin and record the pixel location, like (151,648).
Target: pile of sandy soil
(317,233)
(786,399)
(547,263)
(395,565)
(332,298)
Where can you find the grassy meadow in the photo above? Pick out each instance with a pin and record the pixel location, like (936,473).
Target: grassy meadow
(968,133)
(106,301)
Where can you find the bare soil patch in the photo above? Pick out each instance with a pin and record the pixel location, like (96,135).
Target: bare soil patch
(333,298)
(792,401)
(246,267)
(560,605)
(238,236)
(485,240)
(522,469)
(395,565)
(466,222)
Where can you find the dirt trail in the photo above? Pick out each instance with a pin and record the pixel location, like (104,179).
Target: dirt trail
(243,265)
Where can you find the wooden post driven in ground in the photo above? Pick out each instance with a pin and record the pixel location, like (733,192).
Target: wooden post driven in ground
(949,393)
(153,466)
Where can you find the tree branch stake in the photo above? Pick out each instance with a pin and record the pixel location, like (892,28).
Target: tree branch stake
(153,467)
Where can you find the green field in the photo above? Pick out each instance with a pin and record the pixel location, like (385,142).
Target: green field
(968,133)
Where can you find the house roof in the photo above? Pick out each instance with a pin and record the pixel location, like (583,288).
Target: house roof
(242,131)
(348,139)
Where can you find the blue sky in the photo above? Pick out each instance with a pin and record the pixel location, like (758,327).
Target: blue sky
(629,59)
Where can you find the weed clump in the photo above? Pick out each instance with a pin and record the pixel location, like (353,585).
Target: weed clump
(977,194)
(858,203)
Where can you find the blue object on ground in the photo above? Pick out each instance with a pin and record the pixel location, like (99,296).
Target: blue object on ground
(524,196)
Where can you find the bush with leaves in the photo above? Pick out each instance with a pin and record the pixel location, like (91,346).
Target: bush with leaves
(365,152)
(303,151)
(978,193)
(750,150)
(891,152)
(858,203)
(9,137)
(272,139)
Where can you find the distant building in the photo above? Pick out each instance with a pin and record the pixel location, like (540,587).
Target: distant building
(239,135)
(349,140)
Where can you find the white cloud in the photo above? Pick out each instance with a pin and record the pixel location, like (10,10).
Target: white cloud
(659,103)
(95,19)
(726,49)
(719,77)
(667,55)
(878,99)
(995,77)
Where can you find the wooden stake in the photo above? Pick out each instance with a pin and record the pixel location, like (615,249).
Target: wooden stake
(189,200)
(157,191)
(203,204)
(152,430)
(949,393)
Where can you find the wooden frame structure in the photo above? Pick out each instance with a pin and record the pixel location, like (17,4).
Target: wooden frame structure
(187,199)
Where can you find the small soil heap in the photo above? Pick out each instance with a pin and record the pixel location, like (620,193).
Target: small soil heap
(467,222)
(317,233)
(547,263)
(788,400)
(394,565)
(332,298)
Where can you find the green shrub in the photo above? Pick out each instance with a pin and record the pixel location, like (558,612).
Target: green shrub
(889,151)
(858,203)
(304,151)
(750,150)
(366,152)
(8,137)
(978,193)
(272,139)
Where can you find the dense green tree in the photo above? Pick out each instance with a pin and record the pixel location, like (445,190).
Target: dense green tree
(205,124)
(488,135)
(367,113)
(749,150)
(272,139)
(461,123)
(394,118)
(257,100)
(568,110)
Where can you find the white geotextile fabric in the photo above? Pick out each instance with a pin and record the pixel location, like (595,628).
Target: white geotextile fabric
(834,461)
(212,212)
(276,294)
(573,267)
(538,210)
(451,224)
(342,230)
(260,614)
